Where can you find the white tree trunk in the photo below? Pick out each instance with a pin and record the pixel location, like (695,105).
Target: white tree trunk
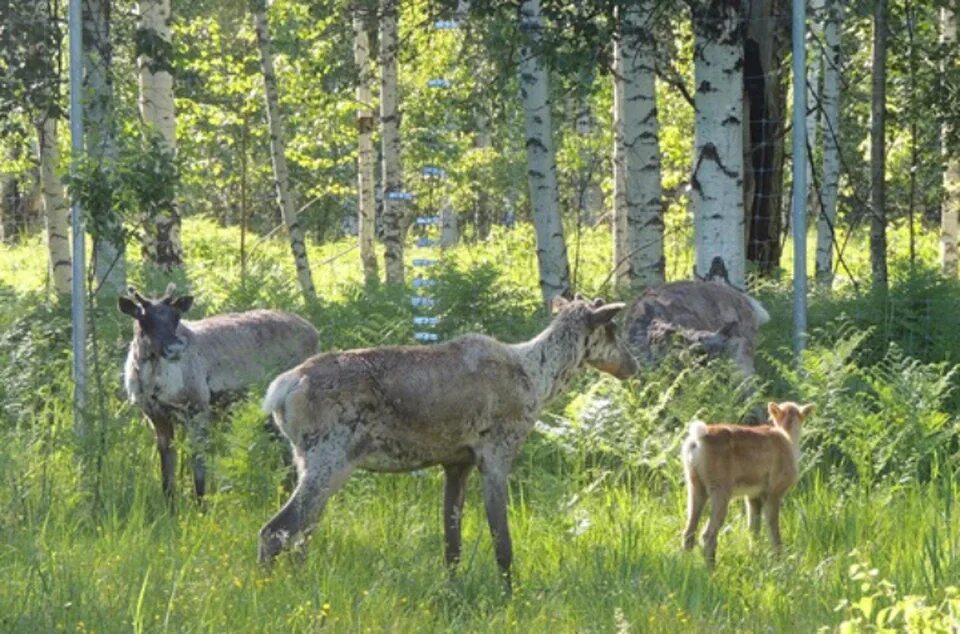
(541,162)
(161,239)
(950,211)
(830,103)
(277,149)
(394,211)
(56,210)
(109,267)
(366,204)
(717,178)
(637,204)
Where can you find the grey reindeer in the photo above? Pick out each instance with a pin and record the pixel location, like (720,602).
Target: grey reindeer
(469,402)
(176,369)
(708,316)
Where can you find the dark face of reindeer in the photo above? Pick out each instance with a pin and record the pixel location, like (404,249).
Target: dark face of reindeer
(157,321)
(603,349)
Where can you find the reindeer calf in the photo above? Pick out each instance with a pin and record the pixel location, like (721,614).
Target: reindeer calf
(759,463)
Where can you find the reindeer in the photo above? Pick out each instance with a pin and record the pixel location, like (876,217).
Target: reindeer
(467,403)
(760,463)
(710,316)
(176,369)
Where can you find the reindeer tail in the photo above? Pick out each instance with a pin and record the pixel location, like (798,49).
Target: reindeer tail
(697,430)
(759,311)
(278,391)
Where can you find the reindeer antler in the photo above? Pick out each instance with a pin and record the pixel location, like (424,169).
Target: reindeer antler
(140,299)
(168,294)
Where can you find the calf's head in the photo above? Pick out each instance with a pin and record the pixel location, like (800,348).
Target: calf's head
(157,320)
(603,349)
(789,416)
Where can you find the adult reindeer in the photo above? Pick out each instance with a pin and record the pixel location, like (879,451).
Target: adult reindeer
(708,315)
(176,369)
(470,402)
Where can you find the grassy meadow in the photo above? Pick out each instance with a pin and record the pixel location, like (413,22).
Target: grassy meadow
(872,534)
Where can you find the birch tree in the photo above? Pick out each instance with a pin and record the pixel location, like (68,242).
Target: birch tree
(366,203)
(814,97)
(878,103)
(394,220)
(950,209)
(277,148)
(161,238)
(541,162)
(830,107)
(717,178)
(56,209)
(109,267)
(638,255)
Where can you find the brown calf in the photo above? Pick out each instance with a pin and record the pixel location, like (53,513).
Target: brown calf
(759,463)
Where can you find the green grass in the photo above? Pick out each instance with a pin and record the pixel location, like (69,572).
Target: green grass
(597,504)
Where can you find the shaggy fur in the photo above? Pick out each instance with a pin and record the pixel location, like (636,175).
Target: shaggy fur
(176,369)
(470,402)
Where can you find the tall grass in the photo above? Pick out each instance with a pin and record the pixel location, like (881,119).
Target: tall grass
(597,503)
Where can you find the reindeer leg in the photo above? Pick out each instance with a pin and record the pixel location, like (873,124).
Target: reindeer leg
(754,511)
(163,428)
(197,428)
(454,491)
(326,468)
(696,499)
(719,500)
(495,465)
(773,521)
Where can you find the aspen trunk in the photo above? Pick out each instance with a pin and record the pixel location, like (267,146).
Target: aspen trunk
(277,148)
(541,162)
(109,266)
(394,210)
(717,178)
(830,103)
(878,220)
(950,210)
(366,204)
(56,210)
(637,204)
(161,237)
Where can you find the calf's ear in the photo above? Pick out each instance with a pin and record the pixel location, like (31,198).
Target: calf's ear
(557,304)
(774,410)
(128,307)
(806,410)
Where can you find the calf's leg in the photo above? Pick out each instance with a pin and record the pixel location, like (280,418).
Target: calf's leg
(719,500)
(696,499)
(163,429)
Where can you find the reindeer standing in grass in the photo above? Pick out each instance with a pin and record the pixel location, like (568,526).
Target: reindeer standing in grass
(760,463)
(176,369)
(467,403)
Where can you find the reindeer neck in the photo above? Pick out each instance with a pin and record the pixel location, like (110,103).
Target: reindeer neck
(551,359)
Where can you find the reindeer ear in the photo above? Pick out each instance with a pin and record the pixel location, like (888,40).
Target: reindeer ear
(128,307)
(774,410)
(604,314)
(183,304)
(806,410)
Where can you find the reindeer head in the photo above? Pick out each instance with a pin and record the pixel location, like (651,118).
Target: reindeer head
(157,320)
(602,348)
(789,416)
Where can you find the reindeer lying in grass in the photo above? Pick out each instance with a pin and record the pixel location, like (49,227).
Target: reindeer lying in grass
(176,369)
(470,402)
(759,463)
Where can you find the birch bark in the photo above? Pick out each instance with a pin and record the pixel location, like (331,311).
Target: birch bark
(541,162)
(830,103)
(637,202)
(366,204)
(950,210)
(277,148)
(394,220)
(717,178)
